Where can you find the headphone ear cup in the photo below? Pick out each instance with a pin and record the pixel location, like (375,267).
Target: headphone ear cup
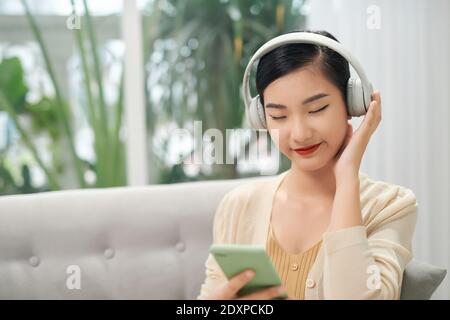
(355,97)
(255,114)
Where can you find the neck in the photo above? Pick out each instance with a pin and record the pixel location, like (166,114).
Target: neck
(310,186)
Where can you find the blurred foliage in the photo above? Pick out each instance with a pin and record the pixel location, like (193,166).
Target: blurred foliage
(13,91)
(12,83)
(195,53)
(10,185)
(52,116)
(203,48)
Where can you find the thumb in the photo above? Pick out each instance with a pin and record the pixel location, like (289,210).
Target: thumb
(349,134)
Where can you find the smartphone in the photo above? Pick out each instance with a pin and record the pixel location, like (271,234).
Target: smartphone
(235,258)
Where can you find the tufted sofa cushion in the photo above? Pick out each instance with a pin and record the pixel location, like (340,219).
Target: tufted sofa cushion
(118,243)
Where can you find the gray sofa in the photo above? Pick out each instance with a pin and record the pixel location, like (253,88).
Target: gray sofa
(124,243)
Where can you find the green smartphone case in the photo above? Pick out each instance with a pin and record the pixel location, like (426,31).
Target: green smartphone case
(235,258)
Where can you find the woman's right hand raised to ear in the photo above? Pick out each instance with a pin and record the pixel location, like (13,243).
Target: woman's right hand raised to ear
(230,289)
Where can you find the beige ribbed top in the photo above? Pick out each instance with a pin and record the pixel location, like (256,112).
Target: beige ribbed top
(293,269)
(244,213)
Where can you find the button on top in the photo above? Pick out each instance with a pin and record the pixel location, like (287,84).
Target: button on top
(310,283)
(294,267)
(34,261)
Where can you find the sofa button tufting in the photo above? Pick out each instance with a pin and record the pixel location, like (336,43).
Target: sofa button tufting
(109,253)
(180,246)
(34,261)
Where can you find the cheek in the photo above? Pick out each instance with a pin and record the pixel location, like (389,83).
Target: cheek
(332,132)
(278,137)
(334,128)
(336,135)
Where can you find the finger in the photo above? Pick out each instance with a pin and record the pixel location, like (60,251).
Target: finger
(264,294)
(236,283)
(378,99)
(349,133)
(376,96)
(372,117)
(374,114)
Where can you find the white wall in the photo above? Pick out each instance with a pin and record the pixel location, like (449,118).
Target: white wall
(407,59)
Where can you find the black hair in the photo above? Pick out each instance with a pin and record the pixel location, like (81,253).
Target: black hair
(290,57)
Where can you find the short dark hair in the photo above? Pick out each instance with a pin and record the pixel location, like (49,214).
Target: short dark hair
(290,57)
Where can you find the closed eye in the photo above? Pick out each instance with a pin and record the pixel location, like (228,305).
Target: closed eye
(277,118)
(323,108)
(282,117)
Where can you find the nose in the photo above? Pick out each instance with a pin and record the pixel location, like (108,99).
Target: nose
(301,132)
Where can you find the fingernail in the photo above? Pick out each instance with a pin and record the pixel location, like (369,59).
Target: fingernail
(250,273)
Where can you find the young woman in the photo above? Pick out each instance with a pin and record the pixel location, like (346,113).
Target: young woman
(330,230)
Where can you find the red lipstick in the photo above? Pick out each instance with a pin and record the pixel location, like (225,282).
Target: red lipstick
(308,150)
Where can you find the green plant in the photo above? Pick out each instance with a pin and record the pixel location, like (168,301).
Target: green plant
(63,113)
(108,147)
(53,115)
(213,41)
(13,92)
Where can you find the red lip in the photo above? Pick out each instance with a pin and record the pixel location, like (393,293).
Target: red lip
(308,150)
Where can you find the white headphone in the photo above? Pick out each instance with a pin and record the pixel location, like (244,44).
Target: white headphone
(359,89)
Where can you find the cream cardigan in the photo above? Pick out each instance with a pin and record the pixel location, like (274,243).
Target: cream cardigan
(349,260)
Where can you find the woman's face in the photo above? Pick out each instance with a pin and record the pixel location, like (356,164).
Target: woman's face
(300,123)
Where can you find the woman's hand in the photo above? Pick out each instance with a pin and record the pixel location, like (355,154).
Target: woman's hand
(348,159)
(230,289)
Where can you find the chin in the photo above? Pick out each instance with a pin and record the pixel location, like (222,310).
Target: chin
(309,167)
(315,163)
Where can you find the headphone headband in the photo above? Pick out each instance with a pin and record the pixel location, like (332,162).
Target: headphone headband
(311,38)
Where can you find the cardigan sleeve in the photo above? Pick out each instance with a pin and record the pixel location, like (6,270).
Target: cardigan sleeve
(368,262)
(214,275)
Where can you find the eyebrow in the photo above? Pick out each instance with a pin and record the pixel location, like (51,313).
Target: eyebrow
(306,101)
